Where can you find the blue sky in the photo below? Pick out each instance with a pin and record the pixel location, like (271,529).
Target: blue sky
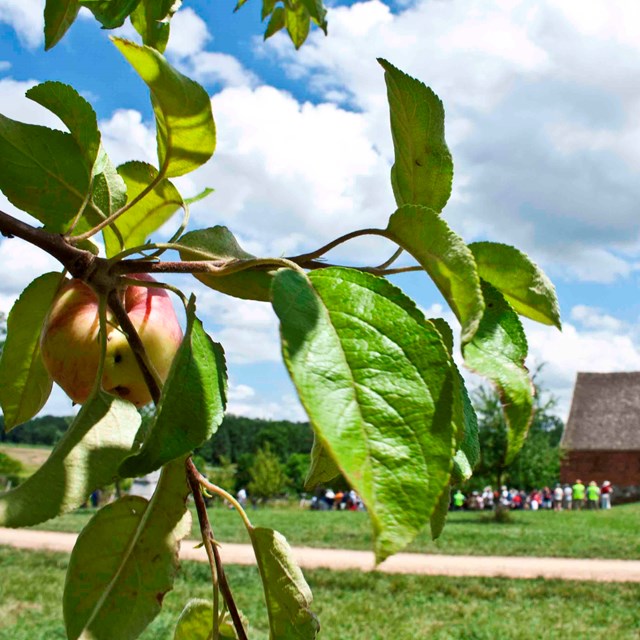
(542,103)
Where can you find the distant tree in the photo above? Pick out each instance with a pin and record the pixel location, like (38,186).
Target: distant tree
(296,469)
(224,474)
(45,430)
(538,462)
(9,466)
(268,478)
(11,470)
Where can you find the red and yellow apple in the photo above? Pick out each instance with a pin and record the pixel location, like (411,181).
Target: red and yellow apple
(71,346)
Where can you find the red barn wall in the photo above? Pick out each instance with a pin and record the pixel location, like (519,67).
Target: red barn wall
(621,468)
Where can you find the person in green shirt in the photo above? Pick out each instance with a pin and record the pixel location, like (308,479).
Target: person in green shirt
(578,491)
(593,495)
(458,500)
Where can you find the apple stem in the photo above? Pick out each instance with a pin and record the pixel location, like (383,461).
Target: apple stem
(139,352)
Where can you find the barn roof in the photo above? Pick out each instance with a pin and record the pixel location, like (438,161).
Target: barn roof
(605,413)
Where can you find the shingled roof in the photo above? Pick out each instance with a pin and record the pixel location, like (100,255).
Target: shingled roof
(605,413)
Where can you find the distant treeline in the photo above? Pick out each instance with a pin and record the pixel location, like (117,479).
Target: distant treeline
(43,430)
(236,437)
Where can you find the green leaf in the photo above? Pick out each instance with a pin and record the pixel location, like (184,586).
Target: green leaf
(498,351)
(521,282)
(196,622)
(110,13)
(192,404)
(186,132)
(323,468)
(468,453)
(317,12)
(108,190)
(25,384)
(151,20)
(376,381)
(59,15)
(423,169)
(125,561)
(267,8)
(218,243)
(149,213)
(42,172)
(276,22)
(439,515)
(463,416)
(76,113)
(207,191)
(445,257)
(297,21)
(86,458)
(286,592)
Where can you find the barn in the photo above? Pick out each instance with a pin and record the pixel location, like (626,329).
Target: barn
(602,438)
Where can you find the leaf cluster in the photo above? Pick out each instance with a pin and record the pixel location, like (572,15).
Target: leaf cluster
(386,402)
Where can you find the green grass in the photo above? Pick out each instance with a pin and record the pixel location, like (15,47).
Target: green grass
(353,605)
(584,534)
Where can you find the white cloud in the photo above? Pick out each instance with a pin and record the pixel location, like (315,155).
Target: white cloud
(189,39)
(210,67)
(248,330)
(14,104)
(189,34)
(22,262)
(600,347)
(126,137)
(26,17)
(595,319)
(286,408)
(541,115)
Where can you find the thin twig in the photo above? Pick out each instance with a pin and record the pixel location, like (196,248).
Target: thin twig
(387,263)
(193,476)
(214,488)
(114,216)
(376,271)
(312,255)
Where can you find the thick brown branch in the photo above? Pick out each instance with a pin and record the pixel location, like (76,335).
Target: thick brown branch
(78,262)
(207,539)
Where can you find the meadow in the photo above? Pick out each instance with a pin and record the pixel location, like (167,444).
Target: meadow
(352,605)
(583,534)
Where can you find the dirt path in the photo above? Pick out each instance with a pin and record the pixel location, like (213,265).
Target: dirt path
(416,563)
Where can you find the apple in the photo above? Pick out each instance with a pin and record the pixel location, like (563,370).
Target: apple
(70,343)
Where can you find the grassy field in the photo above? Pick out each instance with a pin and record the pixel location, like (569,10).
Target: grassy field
(353,605)
(584,534)
(31,456)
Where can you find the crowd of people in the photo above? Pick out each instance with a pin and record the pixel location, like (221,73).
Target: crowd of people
(327,499)
(567,497)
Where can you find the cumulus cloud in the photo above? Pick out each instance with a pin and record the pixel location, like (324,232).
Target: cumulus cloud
(541,104)
(187,49)
(595,342)
(26,17)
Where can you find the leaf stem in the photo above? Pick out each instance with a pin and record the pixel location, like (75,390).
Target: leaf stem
(228,497)
(312,255)
(396,254)
(116,214)
(193,476)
